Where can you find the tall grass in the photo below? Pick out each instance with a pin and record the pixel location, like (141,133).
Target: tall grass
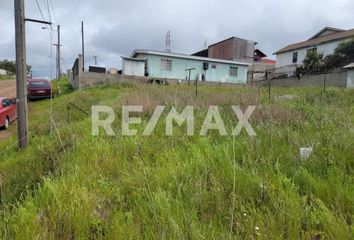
(184,187)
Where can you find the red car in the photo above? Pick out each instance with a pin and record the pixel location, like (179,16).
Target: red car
(8,111)
(38,89)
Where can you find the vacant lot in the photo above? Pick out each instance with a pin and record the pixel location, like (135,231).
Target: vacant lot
(69,184)
(7,88)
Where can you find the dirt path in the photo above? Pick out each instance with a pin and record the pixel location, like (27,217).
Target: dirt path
(7,89)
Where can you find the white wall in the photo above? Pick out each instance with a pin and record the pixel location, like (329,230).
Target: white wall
(350,78)
(284,59)
(2,72)
(133,68)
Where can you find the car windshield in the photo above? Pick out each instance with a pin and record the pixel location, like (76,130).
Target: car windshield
(43,84)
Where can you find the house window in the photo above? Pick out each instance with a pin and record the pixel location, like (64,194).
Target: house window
(233,71)
(213,66)
(166,65)
(314,49)
(295,54)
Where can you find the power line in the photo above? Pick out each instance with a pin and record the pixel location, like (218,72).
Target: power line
(52,4)
(40,10)
(76,10)
(48,9)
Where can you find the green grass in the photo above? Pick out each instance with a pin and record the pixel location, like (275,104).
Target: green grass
(81,186)
(7,77)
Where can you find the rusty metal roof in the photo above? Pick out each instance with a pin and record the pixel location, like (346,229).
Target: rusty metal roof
(318,40)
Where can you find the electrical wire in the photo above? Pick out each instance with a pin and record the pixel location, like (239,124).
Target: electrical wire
(40,10)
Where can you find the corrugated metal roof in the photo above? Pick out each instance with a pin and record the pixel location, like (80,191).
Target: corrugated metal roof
(349,65)
(185,56)
(318,40)
(134,59)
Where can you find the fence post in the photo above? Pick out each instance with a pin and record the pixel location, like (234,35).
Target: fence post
(269,83)
(325,80)
(68,116)
(196,88)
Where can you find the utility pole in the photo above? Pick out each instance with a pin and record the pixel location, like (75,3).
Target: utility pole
(58,54)
(21,86)
(168,42)
(21,83)
(83,46)
(95,59)
(58,47)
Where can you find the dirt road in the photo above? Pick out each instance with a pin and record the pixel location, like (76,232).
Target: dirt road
(7,89)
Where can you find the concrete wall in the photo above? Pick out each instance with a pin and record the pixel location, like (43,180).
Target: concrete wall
(80,79)
(350,78)
(133,68)
(91,79)
(284,59)
(332,79)
(221,72)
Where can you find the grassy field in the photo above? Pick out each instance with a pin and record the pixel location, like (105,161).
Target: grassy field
(7,77)
(69,184)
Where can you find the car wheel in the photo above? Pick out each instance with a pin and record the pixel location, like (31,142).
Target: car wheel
(7,123)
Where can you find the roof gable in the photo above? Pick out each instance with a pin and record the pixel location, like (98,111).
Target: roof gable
(341,35)
(326,31)
(259,53)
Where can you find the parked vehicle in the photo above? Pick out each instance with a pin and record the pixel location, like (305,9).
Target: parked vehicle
(39,89)
(8,112)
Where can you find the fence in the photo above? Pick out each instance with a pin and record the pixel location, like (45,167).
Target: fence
(294,78)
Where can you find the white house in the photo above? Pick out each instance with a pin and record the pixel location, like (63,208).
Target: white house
(325,41)
(2,72)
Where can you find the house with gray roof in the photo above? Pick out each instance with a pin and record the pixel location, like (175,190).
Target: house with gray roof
(325,42)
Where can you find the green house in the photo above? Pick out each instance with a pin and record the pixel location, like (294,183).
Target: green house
(167,65)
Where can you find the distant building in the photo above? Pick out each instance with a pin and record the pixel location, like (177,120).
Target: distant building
(258,55)
(133,66)
(325,42)
(239,49)
(3,72)
(233,48)
(350,75)
(161,65)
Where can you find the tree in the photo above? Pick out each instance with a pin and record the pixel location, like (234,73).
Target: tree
(343,55)
(10,66)
(312,63)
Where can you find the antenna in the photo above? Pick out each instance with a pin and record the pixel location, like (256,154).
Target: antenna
(205,44)
(168,42)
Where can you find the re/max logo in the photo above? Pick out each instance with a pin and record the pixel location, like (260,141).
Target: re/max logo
(212,121)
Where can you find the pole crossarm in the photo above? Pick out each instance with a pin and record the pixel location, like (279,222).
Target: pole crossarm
(37,21)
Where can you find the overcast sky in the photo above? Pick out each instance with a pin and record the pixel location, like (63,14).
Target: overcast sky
(114,28)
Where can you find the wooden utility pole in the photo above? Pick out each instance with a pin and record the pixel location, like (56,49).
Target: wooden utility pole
(21,85)
(83,45)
